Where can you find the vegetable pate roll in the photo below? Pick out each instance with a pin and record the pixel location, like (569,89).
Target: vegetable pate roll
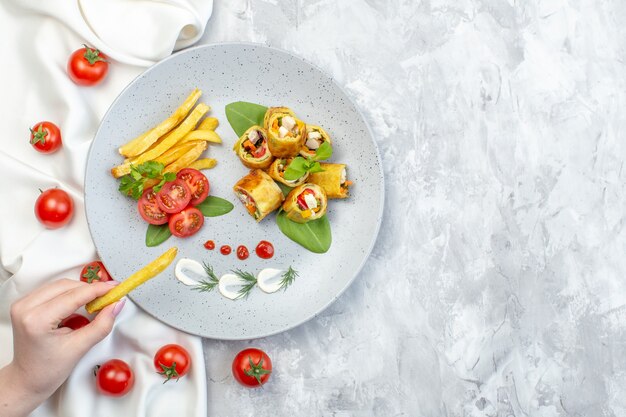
(306,202)
(333,180)
(259,194)
(315,136)
(272,110)
(286,135)
(277,171)
(252,148)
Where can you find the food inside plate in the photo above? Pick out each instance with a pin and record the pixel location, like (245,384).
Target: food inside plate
(306,202)
(315,137)
(286,135)
(333,180)
(270,111)
(252,148)
(259,194)
(277,172)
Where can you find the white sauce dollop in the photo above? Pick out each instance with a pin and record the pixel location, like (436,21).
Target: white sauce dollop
(229,286)
(189,272)
(269,279)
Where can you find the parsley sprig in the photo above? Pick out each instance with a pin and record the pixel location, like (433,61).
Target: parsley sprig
(207,285)
(133,184)
(300,166)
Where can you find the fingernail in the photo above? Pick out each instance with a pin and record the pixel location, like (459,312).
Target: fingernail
(118,307)
(112,283)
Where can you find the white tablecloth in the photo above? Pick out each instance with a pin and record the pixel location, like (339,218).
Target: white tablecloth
(38,38)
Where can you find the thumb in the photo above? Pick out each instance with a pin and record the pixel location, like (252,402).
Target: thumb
(100,327)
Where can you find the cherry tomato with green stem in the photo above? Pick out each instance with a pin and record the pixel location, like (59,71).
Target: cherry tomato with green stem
(45,137)
(87,66)
(252,367)
(172,361)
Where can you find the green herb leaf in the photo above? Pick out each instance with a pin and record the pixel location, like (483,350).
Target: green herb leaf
(207,285)
(296,169)
(133,184)
(288,278)
(314,235)
(242,115)
(155,235)
(169,176)
(315,167)
(284,188)
(215,206)
(246,288)
(325,151)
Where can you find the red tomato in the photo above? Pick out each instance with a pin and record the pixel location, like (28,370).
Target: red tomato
(74,321)
(252,367)
(209,244)
(172,361)
(242,252)
(150,210)
(87,66)
(260,151)
(187,222)
(54,208)
(197,183)
(174,196)
(301,201)
(94,271)
(114,378)
(45,137)
(264,249)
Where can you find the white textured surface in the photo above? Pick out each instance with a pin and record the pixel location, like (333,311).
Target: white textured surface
(498,284)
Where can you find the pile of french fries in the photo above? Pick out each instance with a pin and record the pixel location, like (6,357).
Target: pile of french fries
(177,142)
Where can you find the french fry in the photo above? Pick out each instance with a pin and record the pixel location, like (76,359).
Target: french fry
(149,271)
(188,158)
(172,138)
(209,123)
(204,163)
(205,134)
(175,152)
(143,141)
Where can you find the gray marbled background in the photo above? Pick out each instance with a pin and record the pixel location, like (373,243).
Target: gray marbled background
(497,286)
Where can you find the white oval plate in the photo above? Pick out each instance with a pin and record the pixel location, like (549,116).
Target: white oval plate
(226,73)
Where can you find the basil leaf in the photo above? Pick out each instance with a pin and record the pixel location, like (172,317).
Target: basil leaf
(242,115)
(215,206)
(296,169)
(315,167)
(314,235)
(155,235)
(284,188)
(325,151)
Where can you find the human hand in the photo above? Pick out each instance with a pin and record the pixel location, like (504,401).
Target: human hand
(44,355)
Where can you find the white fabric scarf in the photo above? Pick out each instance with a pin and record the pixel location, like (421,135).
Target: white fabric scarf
(38,38)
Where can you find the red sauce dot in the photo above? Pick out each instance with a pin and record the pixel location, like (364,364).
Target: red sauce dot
(264,249)
(242,252)
(209,244)
(225,250)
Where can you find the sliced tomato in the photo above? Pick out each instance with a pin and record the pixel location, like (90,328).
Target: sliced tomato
(197,183)
(187,222)
(260,151)
(301,201)
(150,210)
(174,196)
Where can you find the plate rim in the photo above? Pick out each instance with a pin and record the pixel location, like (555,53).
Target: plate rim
(351,100)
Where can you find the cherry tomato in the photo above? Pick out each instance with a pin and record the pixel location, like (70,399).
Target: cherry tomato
(87,66)
(225,250)
(187,222)
(174,196)
(209,244)
(94,271)
(54,208)
(74,321)
(45,137)
(264,249)
(252,367)
(242,252)
(197,183)
(150,210)
(114,378)
(172,361)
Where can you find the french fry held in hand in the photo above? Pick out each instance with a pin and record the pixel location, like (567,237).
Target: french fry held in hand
(209,123)
(145,140)
(204,163)
(149,271)
(172,138)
